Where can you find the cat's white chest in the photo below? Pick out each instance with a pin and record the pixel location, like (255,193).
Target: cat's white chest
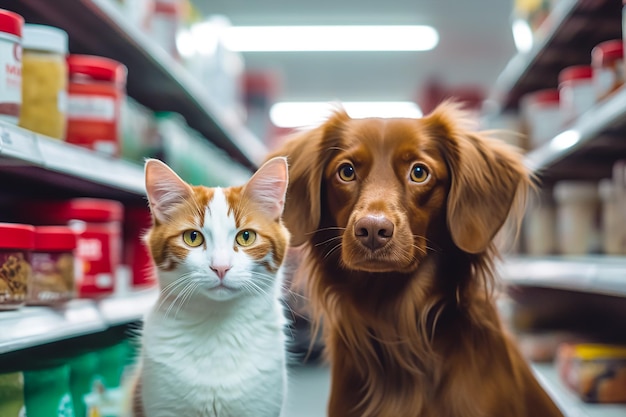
(227,368)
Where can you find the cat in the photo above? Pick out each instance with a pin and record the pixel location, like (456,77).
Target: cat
(214,343)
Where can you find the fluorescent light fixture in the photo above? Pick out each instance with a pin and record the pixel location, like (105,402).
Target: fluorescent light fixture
(330,38)
(565,140)
(299,114)
(522,35)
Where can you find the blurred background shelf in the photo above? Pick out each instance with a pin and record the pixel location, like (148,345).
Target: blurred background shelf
(569,404)
(55,167)
(592,274)
(155,79)
(565,38)
(32,326)
(588,148)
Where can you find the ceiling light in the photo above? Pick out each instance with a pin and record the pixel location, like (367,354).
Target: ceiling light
(299,114)
(330,38)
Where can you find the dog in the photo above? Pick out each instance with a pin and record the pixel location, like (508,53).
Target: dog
(397,218)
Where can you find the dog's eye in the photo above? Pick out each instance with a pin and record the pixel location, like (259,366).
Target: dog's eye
(419,173)
(346,172)
(193,238)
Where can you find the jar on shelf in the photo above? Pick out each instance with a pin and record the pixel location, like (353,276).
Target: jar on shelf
(577,203)
(607,60)
(576,92)
(542,115)
(612,219)
(10,65)
(98,227)
(97,89)
(538,226)
(44,80)
(53,276)
(137,220)
(16,245)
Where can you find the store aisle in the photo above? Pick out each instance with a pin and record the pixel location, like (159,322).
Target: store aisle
(308,391)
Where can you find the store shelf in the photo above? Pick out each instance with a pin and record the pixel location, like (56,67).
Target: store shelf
(597,138)
(592,274)
(565,38)
(127,308)
(155,79)
(569,403)
(31,157)
(32,326)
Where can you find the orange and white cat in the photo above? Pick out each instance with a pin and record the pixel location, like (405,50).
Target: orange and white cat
(214,344)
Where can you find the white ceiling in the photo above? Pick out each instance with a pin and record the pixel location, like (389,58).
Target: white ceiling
(475,44)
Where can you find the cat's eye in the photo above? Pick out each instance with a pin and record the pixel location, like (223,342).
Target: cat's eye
(346,172)
(193,238)
(245,238)
(419,173)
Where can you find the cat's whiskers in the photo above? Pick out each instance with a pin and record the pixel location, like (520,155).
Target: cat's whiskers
(191,290)
(169,289)
(179,295)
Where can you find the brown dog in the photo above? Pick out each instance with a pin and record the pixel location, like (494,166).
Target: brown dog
(399,217)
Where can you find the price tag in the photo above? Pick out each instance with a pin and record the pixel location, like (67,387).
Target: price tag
(20,144)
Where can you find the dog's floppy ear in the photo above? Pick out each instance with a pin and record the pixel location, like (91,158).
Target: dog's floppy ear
(486,177)
(308,153)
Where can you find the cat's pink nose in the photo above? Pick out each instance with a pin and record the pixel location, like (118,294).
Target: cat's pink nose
(220,270)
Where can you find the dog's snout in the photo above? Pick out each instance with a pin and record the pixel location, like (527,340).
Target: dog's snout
(373,231)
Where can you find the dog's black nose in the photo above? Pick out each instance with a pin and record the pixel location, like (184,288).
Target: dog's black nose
(373,231)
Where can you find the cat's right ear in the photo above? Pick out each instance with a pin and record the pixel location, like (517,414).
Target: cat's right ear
(164,188)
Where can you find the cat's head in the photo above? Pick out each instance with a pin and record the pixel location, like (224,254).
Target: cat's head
(220,242)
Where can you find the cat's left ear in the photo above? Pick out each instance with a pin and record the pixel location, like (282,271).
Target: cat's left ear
(268,186)
(164,188)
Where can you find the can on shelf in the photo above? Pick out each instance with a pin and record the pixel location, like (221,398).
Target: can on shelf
(96,91)
(576,92)
(10,65)
(16,245)
(98,227)
(607,60)
(44,87)
(541,115)
(53,264)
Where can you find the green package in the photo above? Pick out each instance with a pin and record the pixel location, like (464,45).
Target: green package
(47,392)
(12,395)
(83,370)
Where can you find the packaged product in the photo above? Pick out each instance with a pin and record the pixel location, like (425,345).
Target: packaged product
(595,372)
(11,25)
(576,92)
(44,80)
(97,89)
(12,395)
(607,60)
(577,205)
(98,226)
(47,392)
(16,244)
(53,272)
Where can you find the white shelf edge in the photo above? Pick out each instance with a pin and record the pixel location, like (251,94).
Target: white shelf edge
(567,401)
(32,326)
(234,129)
(520,63)
(593,274)
(586,128)
(58,156)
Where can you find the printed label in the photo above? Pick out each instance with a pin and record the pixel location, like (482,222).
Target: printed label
(84,107)
(10,78)
(15,271)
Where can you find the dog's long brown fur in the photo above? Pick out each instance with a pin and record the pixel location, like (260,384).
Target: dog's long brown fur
(411,328)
